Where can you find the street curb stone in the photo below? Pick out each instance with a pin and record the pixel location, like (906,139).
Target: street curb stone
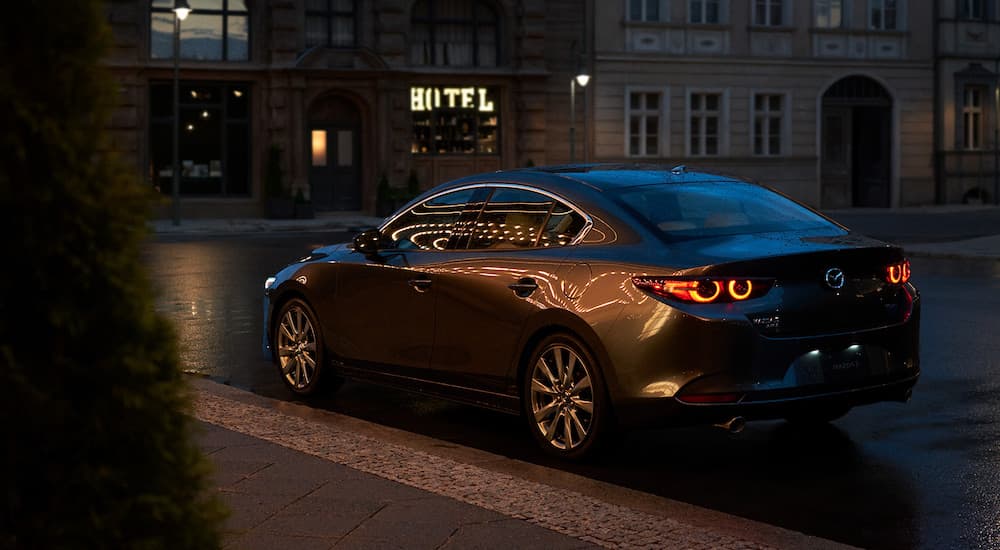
(561,510)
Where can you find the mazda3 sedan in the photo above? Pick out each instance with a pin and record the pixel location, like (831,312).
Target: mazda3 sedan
(587,298)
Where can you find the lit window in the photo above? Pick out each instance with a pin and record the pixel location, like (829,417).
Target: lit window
(829,14)
(972,118)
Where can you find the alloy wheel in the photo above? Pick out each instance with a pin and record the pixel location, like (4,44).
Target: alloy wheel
(562,397)
(297,354)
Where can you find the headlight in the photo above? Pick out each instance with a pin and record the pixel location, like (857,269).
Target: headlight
(268,283)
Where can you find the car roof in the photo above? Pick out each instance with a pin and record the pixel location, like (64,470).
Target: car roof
(610,177)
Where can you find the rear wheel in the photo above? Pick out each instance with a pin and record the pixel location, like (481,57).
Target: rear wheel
(564,398)
(299,347)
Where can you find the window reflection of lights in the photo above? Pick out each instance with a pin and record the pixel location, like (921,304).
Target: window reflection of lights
(194,94)
(238,93)
(204,114)
(190,127)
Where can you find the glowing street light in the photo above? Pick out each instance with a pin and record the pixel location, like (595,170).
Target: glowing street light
(181,10)
(582,79)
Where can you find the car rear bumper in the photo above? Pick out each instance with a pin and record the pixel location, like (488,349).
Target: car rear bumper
(767,404)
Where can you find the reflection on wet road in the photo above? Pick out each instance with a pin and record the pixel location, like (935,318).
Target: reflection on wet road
(919,475)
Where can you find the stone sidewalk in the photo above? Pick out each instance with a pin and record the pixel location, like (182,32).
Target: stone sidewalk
(296,477)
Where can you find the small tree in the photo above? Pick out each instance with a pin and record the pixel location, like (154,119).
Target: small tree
(95,445)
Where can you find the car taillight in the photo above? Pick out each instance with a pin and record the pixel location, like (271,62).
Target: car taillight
(705,290)
(898,274)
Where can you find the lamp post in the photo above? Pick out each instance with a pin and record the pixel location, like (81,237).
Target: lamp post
(582,79)
(181,11)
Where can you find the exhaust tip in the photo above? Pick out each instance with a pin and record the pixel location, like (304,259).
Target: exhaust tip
(734,425)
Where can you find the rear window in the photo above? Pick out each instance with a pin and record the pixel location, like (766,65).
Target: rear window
(696,210)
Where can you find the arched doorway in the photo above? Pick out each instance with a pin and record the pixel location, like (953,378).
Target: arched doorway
(335,154)
(856,146)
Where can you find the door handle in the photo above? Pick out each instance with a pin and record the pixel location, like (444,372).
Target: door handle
(420,284)
(524,287)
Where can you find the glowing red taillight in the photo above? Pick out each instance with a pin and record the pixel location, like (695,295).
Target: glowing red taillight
(898,274)
(705,290)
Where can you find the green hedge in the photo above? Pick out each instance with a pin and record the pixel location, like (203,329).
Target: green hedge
(95,444)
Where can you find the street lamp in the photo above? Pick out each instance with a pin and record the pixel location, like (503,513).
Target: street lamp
(181,10)
(582,79)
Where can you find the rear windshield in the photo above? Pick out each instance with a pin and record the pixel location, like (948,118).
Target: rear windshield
(696,210)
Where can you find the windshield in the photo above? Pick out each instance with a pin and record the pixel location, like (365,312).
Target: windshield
(697,210)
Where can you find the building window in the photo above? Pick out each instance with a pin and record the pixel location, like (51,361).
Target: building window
(829,14)
(455,120)
(643,113)
(217,30)
(769,13)
(768,122)
(970,9)
(330,23)
(645,10)
(972,118)
(214,138)
(706,11)
(454,33)
(704,115)
(884,15)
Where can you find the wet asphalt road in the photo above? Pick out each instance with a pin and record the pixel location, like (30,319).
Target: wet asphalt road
(916,475)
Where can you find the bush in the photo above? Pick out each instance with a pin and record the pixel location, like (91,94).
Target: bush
(95,445)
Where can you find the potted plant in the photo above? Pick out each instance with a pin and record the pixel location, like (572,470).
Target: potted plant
(384,200)
(303,206)
(279,201)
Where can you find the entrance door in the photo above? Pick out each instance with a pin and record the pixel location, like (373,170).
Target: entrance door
(334,173)
(871,158)
(856,148)
(836,149)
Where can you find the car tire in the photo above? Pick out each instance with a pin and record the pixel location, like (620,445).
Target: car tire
(564,400)
(299,351)
(818,415)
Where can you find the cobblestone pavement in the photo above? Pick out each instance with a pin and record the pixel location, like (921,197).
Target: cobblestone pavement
(583,517)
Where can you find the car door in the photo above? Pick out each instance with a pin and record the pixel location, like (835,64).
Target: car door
(387,299)
(495,279)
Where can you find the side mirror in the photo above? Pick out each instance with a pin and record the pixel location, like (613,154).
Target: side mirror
(367,242)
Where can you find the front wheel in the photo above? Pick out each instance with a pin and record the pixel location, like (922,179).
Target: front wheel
(564,398)
(299,347)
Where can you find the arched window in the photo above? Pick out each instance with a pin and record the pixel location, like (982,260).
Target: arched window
(454,33)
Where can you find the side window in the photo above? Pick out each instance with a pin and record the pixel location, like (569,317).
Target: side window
(513,218)
(562,226)
(430,224)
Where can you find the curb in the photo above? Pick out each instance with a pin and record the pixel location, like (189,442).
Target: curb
(602,513)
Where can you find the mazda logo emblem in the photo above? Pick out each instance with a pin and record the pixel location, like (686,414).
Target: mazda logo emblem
(834,278)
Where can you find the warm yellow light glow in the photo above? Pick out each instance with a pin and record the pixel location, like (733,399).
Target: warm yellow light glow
(429,99)
(190,127)
(319,147)
(238,93)
(204,114)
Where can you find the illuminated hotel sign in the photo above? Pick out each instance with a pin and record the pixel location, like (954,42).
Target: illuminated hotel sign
(470,98)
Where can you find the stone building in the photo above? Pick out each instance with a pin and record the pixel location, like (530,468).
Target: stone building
(966,70)
(829,101)
(348,91)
